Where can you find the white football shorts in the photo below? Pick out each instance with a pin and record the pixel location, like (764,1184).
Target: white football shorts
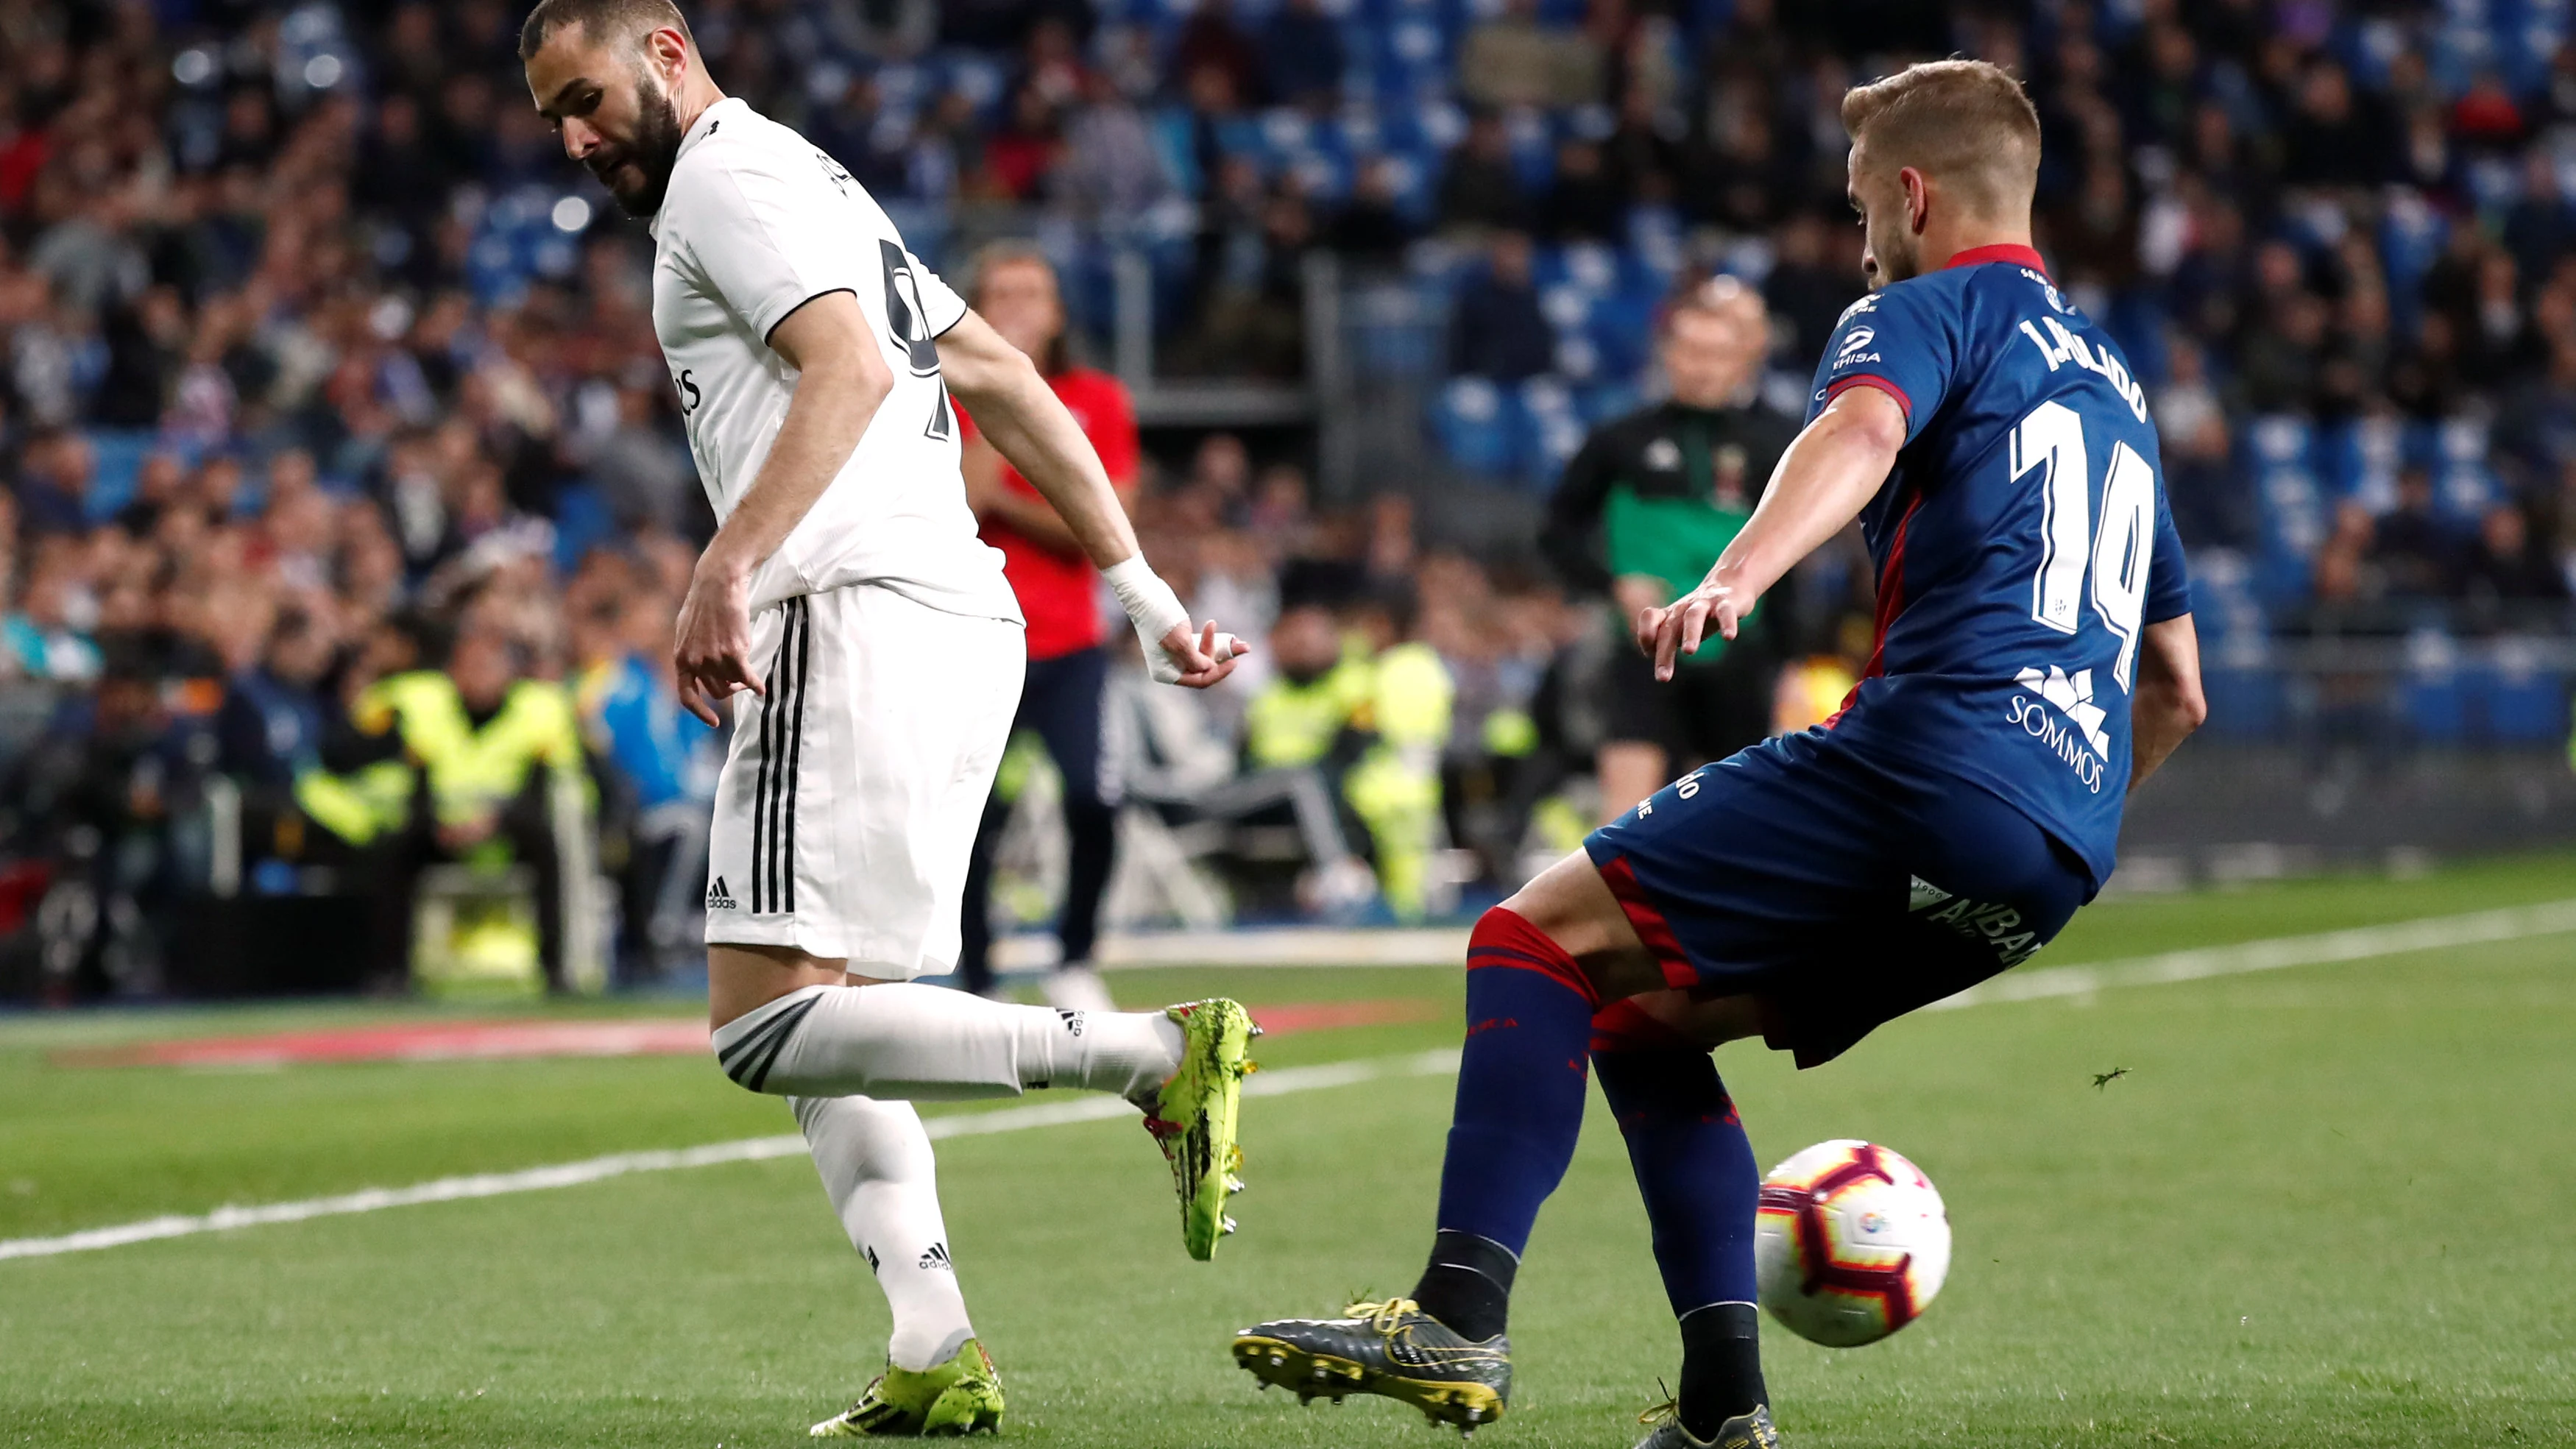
(851,795)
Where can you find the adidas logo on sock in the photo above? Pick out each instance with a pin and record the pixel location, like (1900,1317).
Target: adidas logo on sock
(1072,1020)
(872,1258)
(718,898)
(937,1257)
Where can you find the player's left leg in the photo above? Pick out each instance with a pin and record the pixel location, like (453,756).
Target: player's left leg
(1696,1171)
(877,1170)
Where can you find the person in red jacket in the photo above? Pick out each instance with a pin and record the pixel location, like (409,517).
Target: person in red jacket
(1014,288)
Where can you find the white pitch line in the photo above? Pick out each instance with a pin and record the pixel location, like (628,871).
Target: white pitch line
(753,1149)
(2359,943)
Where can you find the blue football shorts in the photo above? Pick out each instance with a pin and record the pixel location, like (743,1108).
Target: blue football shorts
(1842,892)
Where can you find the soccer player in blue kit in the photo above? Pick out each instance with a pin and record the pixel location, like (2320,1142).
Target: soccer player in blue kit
(2035,660)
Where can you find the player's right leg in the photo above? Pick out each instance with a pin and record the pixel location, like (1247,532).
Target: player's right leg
(843,821)
(1539,967)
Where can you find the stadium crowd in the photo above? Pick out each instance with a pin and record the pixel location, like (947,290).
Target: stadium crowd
(342,468)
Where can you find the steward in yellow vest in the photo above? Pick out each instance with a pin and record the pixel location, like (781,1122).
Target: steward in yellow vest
(1371,710)
(453,764)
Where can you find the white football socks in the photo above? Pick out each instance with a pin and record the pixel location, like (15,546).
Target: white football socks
(927,1043)
(877,1170)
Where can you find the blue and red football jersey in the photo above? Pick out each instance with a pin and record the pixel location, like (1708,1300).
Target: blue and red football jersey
(2022,542)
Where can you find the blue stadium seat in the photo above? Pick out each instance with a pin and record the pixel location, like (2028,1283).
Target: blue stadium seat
(1552,430)
(2464,485)
(2282,456)
(1475,423)
(2521,703)
(582,520)
(2436,707)
(1623,326)
(2359,459)
(117,456)
(1657,245)
(1615,398)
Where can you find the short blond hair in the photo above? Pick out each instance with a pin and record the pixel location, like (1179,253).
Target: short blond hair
(1965,124)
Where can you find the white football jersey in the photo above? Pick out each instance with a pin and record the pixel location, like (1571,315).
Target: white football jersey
(756,223)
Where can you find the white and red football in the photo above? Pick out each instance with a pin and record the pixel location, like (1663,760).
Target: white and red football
(1851,1243)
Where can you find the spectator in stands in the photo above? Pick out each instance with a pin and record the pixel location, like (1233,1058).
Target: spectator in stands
(1302,53)
(1112,173)
(2508,578)
(1514,59)
(1020,154)
(1480,187)
(1371,224)
(1807,288)
(855,131)
(44,643)
(2416,552)
(1210,40)
(269,729)
(2278,362)
(94,798)
(2209,504)
(2540,227)
(2335,139)
(1496,329)
(2536,433)
(1584,202)
(53,484)
(1252,321)
(663,761)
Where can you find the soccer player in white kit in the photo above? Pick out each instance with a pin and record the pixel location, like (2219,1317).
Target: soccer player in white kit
(870,651)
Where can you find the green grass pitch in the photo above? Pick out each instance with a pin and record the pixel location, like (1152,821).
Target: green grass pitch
(2327,1206)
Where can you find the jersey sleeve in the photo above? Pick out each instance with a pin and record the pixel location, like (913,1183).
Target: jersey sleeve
(941,307)
(768,241)
(2168,573)
(1903,342)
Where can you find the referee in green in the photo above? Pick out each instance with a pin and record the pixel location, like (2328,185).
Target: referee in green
(1641,514)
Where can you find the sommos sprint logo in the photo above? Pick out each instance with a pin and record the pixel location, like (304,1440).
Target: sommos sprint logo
(2074,734)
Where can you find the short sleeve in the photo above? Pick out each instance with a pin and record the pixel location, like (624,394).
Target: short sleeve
(1900,341)
(941,307)
(772,241)
(2168,573)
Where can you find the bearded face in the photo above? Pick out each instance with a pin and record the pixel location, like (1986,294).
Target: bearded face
(637,170)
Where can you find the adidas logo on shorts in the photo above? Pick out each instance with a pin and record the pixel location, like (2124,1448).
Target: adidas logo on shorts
(937,1257)
(1072,1020)
(718,898)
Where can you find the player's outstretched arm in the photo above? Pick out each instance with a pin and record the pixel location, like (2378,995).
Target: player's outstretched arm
(1031,428)
(2169,704)
(1828,475)
(843,378)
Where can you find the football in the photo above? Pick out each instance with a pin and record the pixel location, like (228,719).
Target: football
(1851,1243)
